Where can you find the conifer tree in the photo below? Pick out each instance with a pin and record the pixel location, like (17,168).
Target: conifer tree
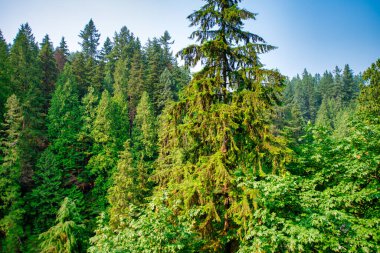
(26,84)
(326,85)
(120,100)
(84,69)
(165,90)
(165,41)
(104,151)
(370,95)
(129,188)
(349,86)
(155,66)
(136,85)
(5,75)
(11,201)
(324,117)
(144,130)
(60,166)
(106,50)
(61,54)
(337,90)
(49,70)
(216,140)
(65,236)
(90,40)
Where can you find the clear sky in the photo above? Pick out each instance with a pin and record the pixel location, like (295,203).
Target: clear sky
(312,34)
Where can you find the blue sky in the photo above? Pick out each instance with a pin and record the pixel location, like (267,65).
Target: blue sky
(312,34)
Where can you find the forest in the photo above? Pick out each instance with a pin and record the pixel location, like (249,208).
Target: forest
(120,148)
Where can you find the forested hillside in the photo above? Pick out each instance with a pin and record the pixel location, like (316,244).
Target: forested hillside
(119,148)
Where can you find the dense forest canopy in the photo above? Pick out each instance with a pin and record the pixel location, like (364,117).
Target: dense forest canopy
(119,148)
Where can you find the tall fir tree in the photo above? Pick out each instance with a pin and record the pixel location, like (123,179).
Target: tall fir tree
(104,151)
(11,200)
(136,85)
(154,67)
(168,58)
(216,141)
(66,235)
(128,189)
(90,40)
(49,70)
(144,129)
(349,87)
(165,91)
(5,70)
(26,84)
(61,54)
(60,166)
(106,50)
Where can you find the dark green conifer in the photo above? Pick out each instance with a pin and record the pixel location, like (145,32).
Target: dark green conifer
(61,54)
(49,70)
(217,140)
(66,235)
(11,200)
(26,84)
(90,40)
(5,75)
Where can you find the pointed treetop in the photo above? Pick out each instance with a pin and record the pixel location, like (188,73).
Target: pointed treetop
(63,47)
(90,39)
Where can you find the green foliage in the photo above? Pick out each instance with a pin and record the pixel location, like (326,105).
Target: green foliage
(48,68)
(237,164)
(129,188)
(61,164)
(370,95)
(5,75)
(26,84)
(61,54)
(65,236)
(104,150)
(11,201)
(331,206)
(90,40)
(220,127)
(144,130)
(155,229)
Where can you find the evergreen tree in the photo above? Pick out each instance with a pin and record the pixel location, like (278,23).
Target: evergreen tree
(49,70)
(84,69)
(370,95)
(155,66)
(326,85)
(216,140)
(144,130)
(165,41)
(65,236)
(104,151)
(136,85)
(90,40)
(119,100)
(26,84)
(61,54)
(5,75)
(60,167)
(349,86)
(128,189)
(324,117)
(337,90)
(11,201)
(165,90)
(106,50)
